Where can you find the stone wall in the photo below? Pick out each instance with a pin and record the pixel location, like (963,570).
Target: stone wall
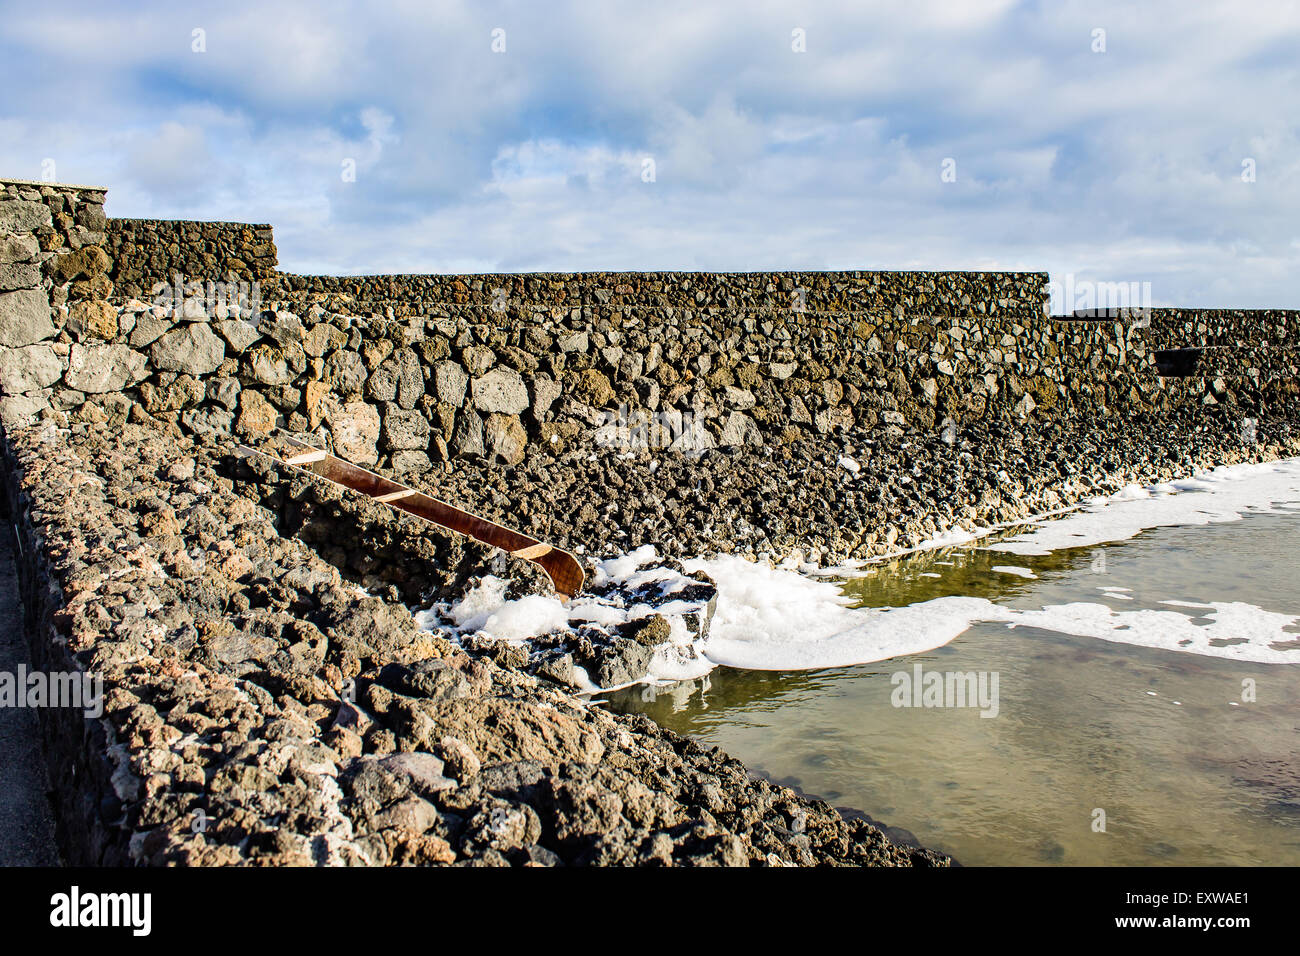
(403,371)
(258,709)
(147,251)
(868,413)
(1182,328)
(54,288)
(1020,294)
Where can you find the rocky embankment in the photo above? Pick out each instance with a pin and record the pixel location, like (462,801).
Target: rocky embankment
(261,708)
(862,494)
(271,697)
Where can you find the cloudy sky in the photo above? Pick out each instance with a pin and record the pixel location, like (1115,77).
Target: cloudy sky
(692,135)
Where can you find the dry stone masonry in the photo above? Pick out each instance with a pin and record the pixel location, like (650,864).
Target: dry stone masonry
(263,669)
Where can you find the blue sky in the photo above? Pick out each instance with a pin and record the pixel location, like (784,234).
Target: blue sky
(1123,165)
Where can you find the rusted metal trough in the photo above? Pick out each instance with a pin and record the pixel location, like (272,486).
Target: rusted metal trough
(563,568)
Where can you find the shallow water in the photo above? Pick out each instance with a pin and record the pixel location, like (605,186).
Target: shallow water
(1185,770)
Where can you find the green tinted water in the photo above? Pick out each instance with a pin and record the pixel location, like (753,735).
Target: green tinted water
(1160,741)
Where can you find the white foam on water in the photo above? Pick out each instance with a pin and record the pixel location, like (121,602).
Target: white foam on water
(777,619)
(1017,571)
(485,608)
(1237,631)
(951,538)
(1225,493)
(624,565)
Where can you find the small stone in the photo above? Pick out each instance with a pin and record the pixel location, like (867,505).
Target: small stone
(24,316)
(20,248)
(224,391)
(459,758)
(501,390)
(573,342)
(345,372)
(405,429)
(410,463)
(838,418)
(28,369)
(19,411)
(451,381)
(239,334)
(193,348)
(86,261)
(104,368)
(650,631)
(592,388)
(478,359)
(545,391)
(739,429)
(148,327)
(506,438)
(257,416)
(21,216)
(267,364)
(467,439)
(354,427)
(94,319)
(19,276)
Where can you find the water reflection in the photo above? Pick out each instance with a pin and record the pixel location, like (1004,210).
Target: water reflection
(1161,742)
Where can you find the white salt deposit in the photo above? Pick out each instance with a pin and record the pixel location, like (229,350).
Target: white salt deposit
(1237,631)
(485,608)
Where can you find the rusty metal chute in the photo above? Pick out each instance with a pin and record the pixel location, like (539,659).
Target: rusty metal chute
(563,568)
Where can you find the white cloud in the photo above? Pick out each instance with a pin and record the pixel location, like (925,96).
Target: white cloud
(1116,166)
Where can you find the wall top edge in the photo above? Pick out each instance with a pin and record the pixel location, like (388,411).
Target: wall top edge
(5,181)
(669,272)
(188,222)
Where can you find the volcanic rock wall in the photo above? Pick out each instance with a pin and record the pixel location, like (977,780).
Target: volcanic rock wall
(402,371)
(220,605)
(146,252)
